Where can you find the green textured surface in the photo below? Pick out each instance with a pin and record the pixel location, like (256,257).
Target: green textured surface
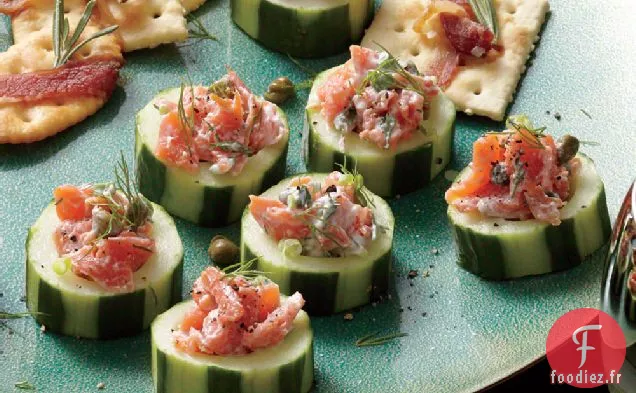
(474,333)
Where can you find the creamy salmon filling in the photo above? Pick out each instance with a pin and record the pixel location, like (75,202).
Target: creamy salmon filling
(223,125)
(104,235)
(518,174)
(235,315)
(376,97)
(318,219)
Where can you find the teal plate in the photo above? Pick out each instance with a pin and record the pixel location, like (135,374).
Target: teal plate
(464,333)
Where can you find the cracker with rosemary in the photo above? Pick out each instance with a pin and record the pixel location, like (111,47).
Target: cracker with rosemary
(482,88)
(25,122)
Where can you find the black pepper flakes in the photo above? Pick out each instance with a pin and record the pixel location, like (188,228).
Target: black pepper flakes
(557,116)
(410,308)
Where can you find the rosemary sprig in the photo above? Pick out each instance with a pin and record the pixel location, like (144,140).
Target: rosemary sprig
(372,339)
(6,315)
(383,77)
(24,385)
(197,30)
(64,44)
(485,13)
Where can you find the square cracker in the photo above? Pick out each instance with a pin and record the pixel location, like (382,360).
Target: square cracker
(142,23)
(484,89)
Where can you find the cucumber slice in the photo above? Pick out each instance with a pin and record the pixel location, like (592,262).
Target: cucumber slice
(422,156)
(285,368)
(202,198)
(329,285)
(304,28)
(75,306)
(498,249)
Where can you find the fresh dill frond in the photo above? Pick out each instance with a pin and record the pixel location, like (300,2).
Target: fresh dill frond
(243,269)
(7,315)
(198,30)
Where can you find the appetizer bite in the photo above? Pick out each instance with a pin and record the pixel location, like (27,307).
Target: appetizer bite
(237,334)
(477,49)
(527,204)
(382,117)
(201,151)
(325,236)
(307,28)
(102,261)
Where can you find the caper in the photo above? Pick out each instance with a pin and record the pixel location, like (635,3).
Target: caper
(567,147)
(499,174)
(223,251)
(280,90)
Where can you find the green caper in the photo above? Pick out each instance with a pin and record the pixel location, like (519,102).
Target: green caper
(223,251)
(280,90)
(567,147)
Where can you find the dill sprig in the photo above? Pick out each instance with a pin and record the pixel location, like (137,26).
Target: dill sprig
(360,191)
(7,315)
(384,76)
(485,13)
(521,125)
(372,339)
(303,67)
(64,44)
(197,30)
(186,120)
(244,269)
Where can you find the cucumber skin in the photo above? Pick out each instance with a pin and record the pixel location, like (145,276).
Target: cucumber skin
(119,315)
(482,254)
(320,290)
(151,174)
(286,30)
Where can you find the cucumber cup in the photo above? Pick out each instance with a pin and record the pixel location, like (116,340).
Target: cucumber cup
(74,306)
(422,156)
(329,285)
(284,368)
(202,197)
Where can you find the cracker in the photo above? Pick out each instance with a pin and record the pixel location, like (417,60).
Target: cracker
(482,89)
(28,122)
(147,23)
(191,5)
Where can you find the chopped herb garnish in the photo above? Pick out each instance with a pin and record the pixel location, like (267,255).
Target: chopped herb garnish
(222,88)
(233,147)
(372,339)
(485,13)
(64,44)
(361,193)
(24,385)
(518,176)
(197,30)
(521,125)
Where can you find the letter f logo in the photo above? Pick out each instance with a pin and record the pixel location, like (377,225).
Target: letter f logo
(584,347)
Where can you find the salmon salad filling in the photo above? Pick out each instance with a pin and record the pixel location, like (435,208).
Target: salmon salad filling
(235,314)
(310,218)
(104,234)
(376,97)
(518,174)
(222,125)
